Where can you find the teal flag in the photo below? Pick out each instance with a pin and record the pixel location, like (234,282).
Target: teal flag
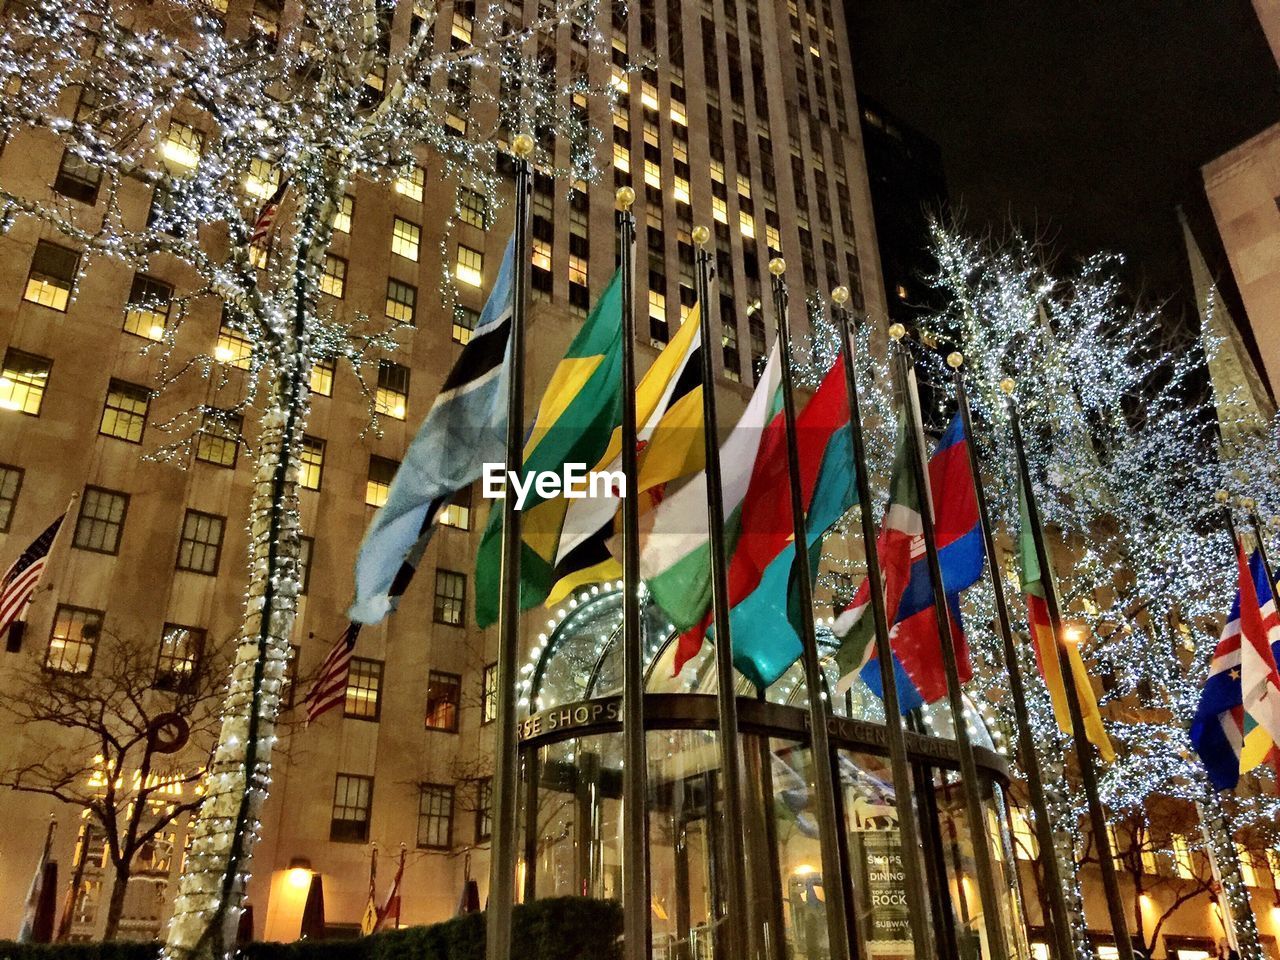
(766,625)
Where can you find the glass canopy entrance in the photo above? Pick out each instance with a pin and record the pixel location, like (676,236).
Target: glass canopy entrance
(571,776)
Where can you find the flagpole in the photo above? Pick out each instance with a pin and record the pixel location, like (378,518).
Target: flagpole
(1252,506)
(1084,752)
(977,822)
(502,850)
(1058,923)
(904,791)
(735,924)
(635,769)
(829,819)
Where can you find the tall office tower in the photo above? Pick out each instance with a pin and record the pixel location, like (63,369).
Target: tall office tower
(741,115)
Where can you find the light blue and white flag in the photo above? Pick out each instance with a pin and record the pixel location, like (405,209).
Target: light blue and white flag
(465,428)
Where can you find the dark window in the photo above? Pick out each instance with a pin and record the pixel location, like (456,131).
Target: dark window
(444,691)
(435,816)
(381,472)
(10,485)
(77,179)
(101,520)
(484,809)
(201,544)
(180,651)
(458,513)
(402,301)
(451,597)
(352,805)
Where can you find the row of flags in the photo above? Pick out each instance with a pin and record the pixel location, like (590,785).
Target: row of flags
(568,543)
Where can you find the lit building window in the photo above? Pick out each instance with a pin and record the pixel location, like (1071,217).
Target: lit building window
(219,439)
(333,279)
(747,224)
(263,178)
(124,414)
(681,190)
(744,186)
(364,689)
(461,30)
(53,273)
(451,598)
(620,81)
(392,395)
(182,147)
(352,804)
(658,317)
(578,270)
(464,322)
(473,207)
(622,158)
(180,651)
(404,239)
(23,381)
(311,463)
(1182,865)
(489,694)
(652,174)
(541,254)
(1248,873)
(381,472)
(412,183)
(322,376)
(772,238)
(435,816)
(458,513)
(259,254)
(678,114)
(73,640)
(1025,845)
(233,347)
(444,692)
(719,210)
(147,314)
(101,520)
(717,171)
(470,268)
(402,301)
(342,216)
(456,122)
(649,96)
(201,545)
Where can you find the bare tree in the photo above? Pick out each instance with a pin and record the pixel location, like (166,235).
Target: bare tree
(124,744)
(218,140)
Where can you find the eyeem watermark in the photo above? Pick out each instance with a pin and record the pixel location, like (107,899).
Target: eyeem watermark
(576,482)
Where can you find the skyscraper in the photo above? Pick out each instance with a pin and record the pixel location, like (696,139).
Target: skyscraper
(744,119)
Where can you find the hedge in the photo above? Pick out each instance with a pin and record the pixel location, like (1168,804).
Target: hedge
(565,928)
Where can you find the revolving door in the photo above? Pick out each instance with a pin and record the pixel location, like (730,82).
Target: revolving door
(571,802)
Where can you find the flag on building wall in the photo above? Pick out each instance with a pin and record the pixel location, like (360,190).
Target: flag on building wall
(465,428)
(330,688)
(1045,644)
(42,896)
(369,919)
(389,912)
(1226,732)
(576,418)
(23,576)
(670,442)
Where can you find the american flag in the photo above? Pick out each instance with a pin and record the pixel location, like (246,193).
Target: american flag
(267,215)
(330,688)
(23,574)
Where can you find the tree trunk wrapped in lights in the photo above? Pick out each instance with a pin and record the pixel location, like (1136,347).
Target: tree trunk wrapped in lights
(226,148)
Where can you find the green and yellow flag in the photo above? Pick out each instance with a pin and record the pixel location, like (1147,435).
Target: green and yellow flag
(579,411)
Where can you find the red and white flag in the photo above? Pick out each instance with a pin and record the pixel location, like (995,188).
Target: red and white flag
(267,215)
(391,906)
(23,575)
(330,688)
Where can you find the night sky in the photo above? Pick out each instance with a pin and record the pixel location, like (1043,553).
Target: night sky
(1085,122)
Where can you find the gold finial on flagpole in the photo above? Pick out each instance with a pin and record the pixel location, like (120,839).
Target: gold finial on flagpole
(955,359)
(626,197)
